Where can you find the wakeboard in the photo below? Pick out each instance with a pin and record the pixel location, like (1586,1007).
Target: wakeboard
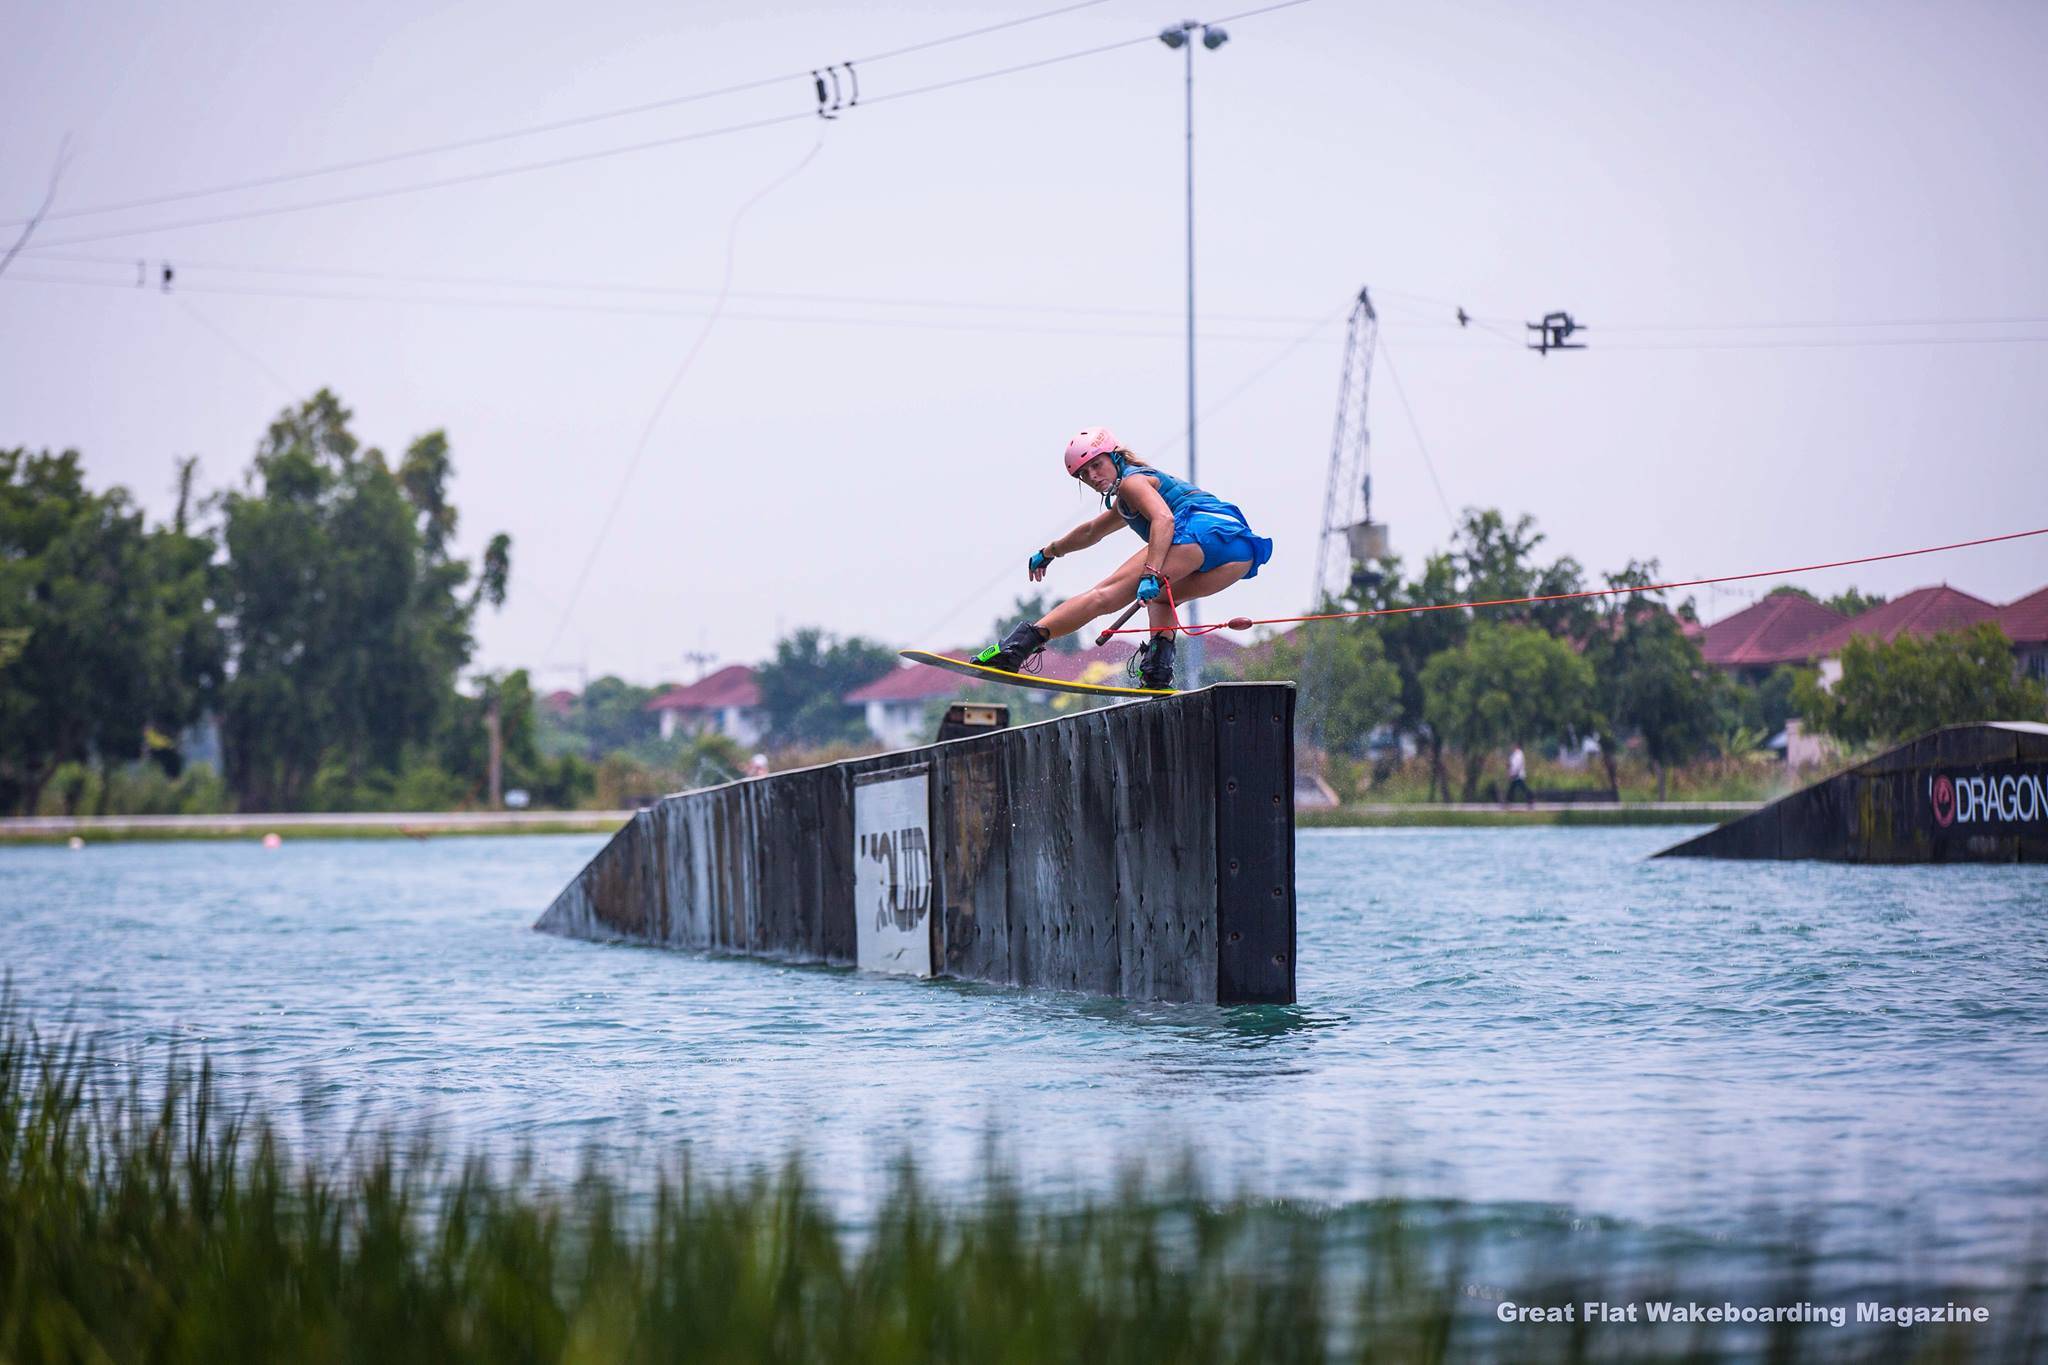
(971,669)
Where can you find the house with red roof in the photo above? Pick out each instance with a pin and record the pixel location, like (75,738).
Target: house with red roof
(894,704)
(1923,612)
(1786,628)
(2025,623)
(1774,631)
(727,701)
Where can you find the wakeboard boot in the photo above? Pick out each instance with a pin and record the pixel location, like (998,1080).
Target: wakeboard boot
(1025,640)
(1155,663)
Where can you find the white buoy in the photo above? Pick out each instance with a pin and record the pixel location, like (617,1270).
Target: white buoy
(77,842)
(273,840)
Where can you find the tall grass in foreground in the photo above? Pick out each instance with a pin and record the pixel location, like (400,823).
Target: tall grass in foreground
(149,1223)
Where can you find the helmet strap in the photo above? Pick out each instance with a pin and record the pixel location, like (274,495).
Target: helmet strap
(1122,468)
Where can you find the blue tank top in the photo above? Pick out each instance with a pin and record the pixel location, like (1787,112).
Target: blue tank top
(1179,495)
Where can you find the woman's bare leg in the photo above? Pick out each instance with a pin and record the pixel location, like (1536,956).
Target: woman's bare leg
(1187,588)
(1115,592)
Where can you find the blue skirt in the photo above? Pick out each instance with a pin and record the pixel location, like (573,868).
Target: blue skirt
(1224,538)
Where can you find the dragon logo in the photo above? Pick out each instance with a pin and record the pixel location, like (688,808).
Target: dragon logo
(1944,794)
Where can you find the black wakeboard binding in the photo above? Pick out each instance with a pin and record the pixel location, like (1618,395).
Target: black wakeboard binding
(1017,648)
(1154,661)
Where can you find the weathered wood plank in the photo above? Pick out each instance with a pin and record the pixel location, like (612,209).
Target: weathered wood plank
(1115,852)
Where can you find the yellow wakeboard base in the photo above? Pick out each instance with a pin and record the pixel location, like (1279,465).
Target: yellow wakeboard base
(971,669)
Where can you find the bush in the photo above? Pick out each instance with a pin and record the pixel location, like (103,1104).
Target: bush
(155,1223)
(134,789)
(1892,691)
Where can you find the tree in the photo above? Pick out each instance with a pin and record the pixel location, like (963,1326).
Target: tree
(1355,689)
(108,644)
(1505,684)
(803,689)
(1850,602)
(1410,639)
(607,716)
(1767,705)
(1854,603)
(190,647)
(1893,691)
(1496,561)
(347,615)
(1650,680)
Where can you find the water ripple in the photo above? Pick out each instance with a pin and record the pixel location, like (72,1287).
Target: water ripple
(1505,1015)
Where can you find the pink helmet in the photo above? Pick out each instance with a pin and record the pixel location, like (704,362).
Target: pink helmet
(1091,442)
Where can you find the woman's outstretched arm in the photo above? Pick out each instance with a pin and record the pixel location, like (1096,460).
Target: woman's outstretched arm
(1081,537)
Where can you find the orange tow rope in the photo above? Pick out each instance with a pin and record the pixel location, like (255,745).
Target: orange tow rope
(1247,622)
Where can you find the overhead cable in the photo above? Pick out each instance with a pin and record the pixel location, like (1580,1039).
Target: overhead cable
(605,153)
(187,265)
(1414,427)
(1246,622)
(597,543)
(938,324)
(536,129)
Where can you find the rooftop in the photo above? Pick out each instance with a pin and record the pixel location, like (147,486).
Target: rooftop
(1922,612)
(732,685)
(1773,631)
(2025,622)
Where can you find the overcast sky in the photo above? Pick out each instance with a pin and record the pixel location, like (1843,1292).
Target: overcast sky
(970,274)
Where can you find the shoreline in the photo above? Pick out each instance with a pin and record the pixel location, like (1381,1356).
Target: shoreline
(1468,814)
(60,829)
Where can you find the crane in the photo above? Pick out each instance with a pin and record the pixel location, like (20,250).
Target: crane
(1352,542)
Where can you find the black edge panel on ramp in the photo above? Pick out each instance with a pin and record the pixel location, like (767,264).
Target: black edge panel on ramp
(1255,846)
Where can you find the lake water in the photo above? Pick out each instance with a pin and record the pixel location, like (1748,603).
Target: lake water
(1527,1016)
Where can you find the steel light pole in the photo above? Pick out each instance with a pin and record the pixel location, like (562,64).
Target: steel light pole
(1182,36)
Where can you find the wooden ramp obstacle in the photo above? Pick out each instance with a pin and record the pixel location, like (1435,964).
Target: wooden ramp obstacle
(1144,850)
(1962,794)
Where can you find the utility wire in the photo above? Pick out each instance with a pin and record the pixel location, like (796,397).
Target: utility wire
(675,382)
(1237,390)
(42,211)
(185,266)
(604,153)
(1844,326)
(627,310)
(444,182)
(1427,463)
(1207,412)
(964,325)
(239,349)
(977,32)
(535,129)
(1836,344)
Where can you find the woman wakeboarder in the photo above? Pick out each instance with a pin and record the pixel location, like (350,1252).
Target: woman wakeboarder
(1194,541)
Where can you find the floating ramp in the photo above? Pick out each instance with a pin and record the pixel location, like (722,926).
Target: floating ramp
(1963,794)
(1144,850)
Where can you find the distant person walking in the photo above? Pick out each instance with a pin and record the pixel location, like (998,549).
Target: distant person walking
(1518,777)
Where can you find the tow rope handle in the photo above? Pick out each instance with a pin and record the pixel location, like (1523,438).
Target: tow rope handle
(1115,626)
(1234,623)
